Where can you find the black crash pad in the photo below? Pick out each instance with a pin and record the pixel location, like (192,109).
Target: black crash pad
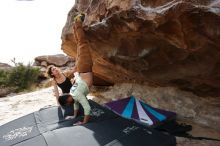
(48,127)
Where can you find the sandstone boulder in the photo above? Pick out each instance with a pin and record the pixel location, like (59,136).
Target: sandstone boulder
(162,42)
(60,60)
(57,60)
(44,64)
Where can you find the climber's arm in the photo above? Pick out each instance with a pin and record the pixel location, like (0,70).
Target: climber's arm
(86,107)
(70,72)
(55,91)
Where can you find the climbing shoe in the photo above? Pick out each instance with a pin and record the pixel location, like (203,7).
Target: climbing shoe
(79,17)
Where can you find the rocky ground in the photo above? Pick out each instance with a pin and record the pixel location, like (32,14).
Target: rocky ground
(16,106)
(19,105)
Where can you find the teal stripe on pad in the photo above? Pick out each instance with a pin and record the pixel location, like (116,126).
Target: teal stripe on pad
(129,108)
(153,112)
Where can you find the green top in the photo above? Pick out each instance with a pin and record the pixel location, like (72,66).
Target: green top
(79,91)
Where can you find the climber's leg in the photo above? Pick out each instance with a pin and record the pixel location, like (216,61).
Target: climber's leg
(75,37)
(83,60)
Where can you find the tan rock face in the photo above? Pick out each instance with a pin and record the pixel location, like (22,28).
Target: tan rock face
(163,42)
(59,60)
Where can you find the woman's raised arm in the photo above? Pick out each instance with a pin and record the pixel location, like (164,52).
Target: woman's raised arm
(55,91)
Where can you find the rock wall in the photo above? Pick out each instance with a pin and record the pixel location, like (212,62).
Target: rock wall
(162,42)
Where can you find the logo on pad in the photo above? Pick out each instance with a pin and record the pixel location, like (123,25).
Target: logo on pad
(17,133)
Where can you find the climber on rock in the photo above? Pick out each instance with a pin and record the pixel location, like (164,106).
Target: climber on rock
(83,77)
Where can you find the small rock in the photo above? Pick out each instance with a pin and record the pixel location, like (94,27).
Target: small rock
(70,64)
(36,63)
(5,91)
(57,60)
(5,66)
(44,64)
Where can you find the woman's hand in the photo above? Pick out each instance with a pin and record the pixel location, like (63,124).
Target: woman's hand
(70,117)
(54,93)
(72,81)
(78,123)
(73,70)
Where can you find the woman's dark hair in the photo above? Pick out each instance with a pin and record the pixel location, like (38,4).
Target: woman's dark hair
(63,99)
(49,71)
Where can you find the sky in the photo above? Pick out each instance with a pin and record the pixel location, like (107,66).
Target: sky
(31,28)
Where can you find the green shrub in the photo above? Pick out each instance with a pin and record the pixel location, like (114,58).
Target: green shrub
(21,77)
(3,78)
